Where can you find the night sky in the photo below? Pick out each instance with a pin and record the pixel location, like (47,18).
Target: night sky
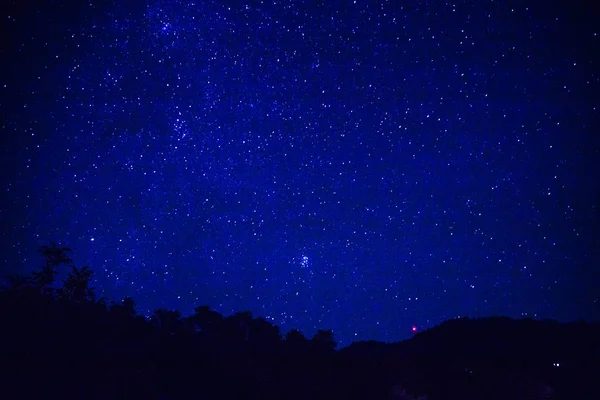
(363,166)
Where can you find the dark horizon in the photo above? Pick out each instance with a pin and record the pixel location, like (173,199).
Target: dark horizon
(62,273)
(72,345)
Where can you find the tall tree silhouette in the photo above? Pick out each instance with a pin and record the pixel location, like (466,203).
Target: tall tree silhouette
(53,256)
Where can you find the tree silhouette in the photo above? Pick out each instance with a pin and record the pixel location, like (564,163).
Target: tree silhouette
(125,309)
(263,334)
(236,327)
(169,321)
(324,340)
(76,286)
(53,256)
(44,277)
(205,320)
(295,341)
(129,306)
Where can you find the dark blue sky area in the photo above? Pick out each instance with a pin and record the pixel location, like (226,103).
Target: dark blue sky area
(355,165)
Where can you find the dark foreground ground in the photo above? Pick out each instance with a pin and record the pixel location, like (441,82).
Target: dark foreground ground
(62,343)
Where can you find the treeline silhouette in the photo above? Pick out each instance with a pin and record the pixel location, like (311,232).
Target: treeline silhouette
(60,342)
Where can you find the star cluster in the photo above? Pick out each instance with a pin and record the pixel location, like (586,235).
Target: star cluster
(362,166)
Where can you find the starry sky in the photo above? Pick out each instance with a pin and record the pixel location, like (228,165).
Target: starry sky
(364,166)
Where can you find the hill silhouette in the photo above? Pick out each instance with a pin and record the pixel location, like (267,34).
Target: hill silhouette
(60,341)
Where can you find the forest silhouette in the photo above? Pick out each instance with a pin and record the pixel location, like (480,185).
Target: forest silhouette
(61,342)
